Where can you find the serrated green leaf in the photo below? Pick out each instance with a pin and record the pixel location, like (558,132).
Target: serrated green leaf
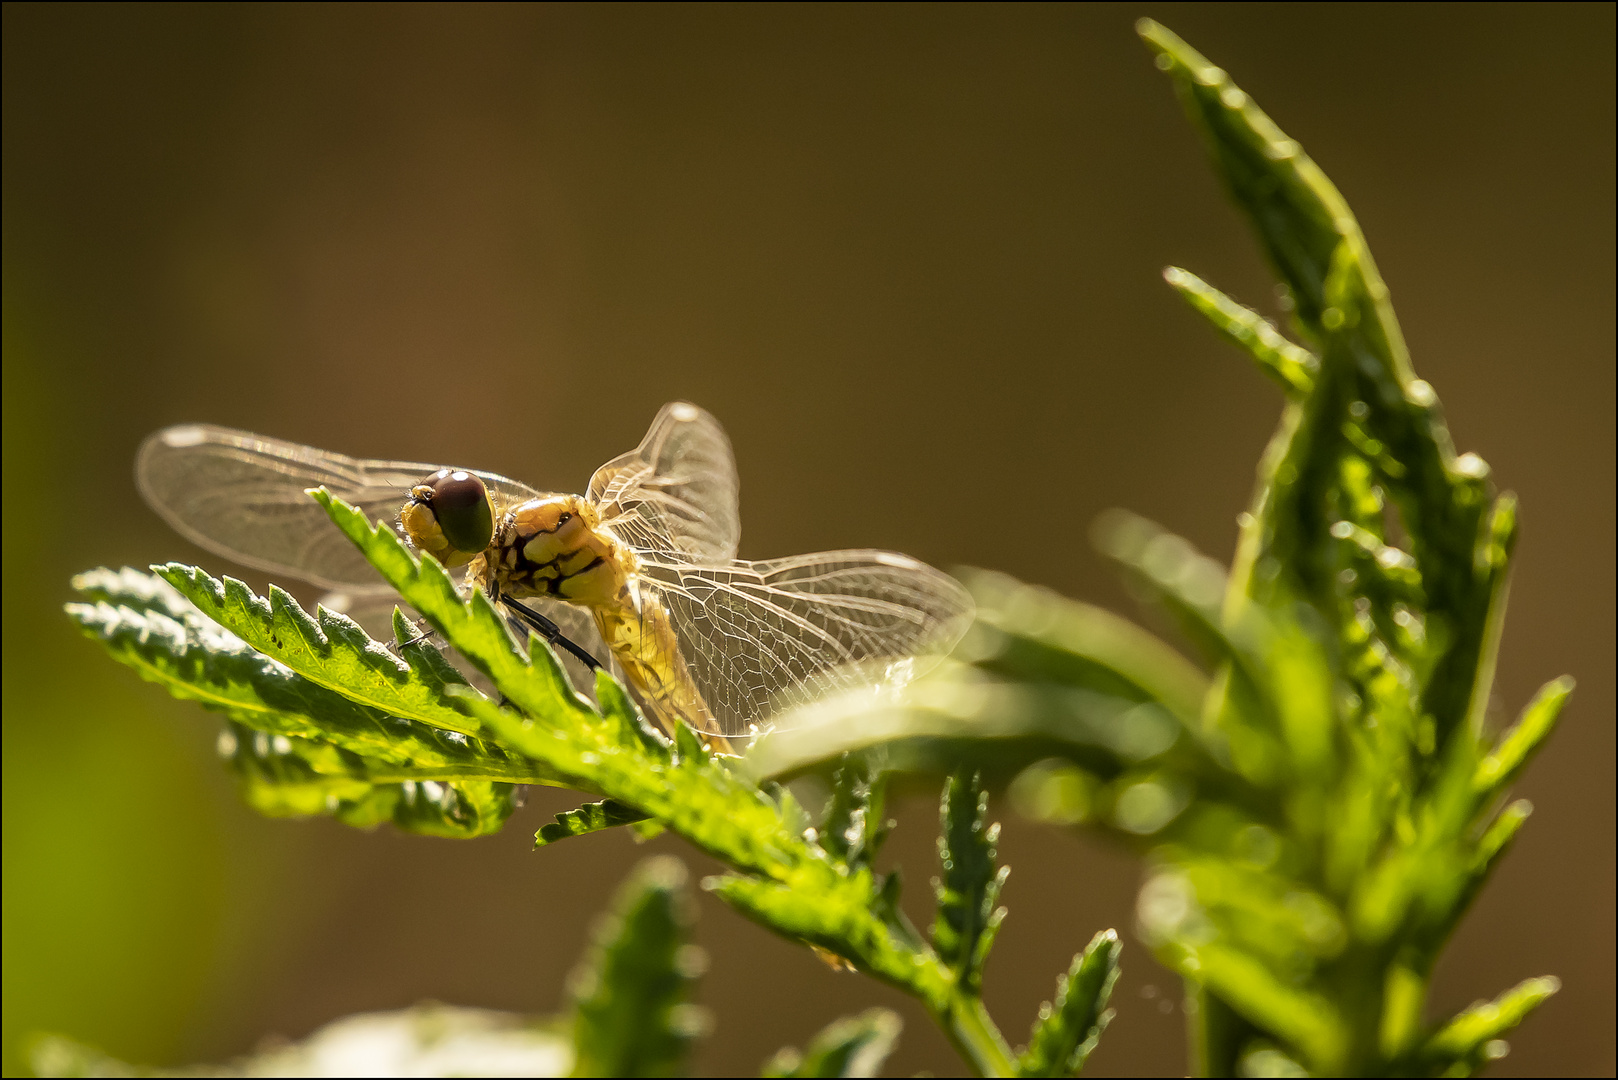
(330,650)
(610,752)
(288,776)
(631,1015)
(841,921)
(1316,245)
(589,818)
(479,631)
(1298,214)
(969,915)
(298,748)
(855,825)
(850,1046)
(1517,747)
(150,626)
(1291,366)
(1462,1045)
(1069,1026)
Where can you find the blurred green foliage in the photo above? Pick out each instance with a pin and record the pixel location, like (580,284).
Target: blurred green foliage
(425,1040)
(112,918)
(1323,797)
(630,1016)
(851,1046)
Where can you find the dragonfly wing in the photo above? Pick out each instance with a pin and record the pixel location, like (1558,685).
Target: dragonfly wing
(242,496)
(677,490)
(761,637)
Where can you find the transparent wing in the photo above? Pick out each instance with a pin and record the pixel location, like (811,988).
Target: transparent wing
(241,495)
(677,490)
(761,637)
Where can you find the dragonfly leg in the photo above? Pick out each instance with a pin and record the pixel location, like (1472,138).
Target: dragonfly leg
(551,632)
(423,632)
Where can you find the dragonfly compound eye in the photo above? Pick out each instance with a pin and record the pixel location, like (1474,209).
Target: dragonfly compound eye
(461,504)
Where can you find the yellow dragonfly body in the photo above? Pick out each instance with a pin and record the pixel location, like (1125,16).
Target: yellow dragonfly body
(640,570)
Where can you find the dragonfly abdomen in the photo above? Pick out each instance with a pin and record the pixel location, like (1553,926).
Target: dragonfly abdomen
(641,636)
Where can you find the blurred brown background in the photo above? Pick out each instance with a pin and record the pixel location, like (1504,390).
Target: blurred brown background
(908,255)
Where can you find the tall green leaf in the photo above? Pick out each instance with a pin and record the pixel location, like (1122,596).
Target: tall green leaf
(1069,1026)
(851,1046)
(632,1015)
(969,915)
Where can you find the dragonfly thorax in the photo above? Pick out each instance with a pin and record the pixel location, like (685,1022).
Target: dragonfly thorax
(555,546)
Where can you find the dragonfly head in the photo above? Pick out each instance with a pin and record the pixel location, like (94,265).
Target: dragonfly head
(449,516)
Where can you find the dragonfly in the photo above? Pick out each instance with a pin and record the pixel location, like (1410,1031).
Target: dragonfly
(638,573)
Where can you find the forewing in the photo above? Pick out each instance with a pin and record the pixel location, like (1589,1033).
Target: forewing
(242,496)
(677,490)
(762,637)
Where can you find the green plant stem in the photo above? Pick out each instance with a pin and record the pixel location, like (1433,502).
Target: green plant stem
(973,1033)
(1215,1032)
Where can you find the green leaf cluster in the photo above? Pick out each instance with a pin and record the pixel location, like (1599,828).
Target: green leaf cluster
(1320,789)
(1354,654)
(297,746)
